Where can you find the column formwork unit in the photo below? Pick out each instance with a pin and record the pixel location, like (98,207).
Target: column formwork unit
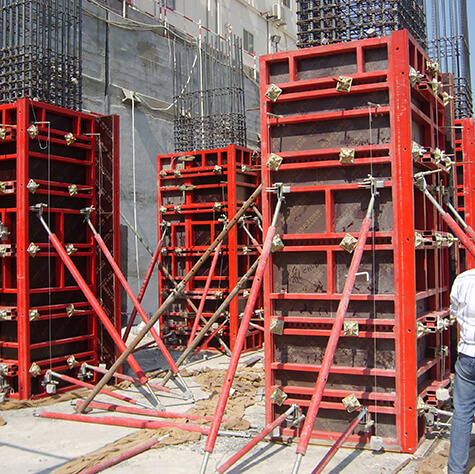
(465,150)
(331,116)
(198,193)
(69,161)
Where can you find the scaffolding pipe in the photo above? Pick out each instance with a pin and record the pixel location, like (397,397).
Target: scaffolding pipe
(271,426)
(179,288)
(241,336)
(343,437)
(123,456)
(205,292)
(144,411)
(91,299)
(213,319)
(334,337)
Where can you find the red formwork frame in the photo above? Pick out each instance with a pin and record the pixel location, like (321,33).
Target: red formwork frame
(210,184)
(421,281)
(73,331)
(465,151)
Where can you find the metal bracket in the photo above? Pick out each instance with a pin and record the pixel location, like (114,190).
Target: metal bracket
(373,184)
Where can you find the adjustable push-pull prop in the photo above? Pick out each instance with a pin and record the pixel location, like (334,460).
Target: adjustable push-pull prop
(87,217)
(322,378)
(90,296)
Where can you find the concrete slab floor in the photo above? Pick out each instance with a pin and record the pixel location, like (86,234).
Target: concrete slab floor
(30,444)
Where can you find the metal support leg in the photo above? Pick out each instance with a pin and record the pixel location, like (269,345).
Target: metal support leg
(464,225)
(457,230)
(213,319)
(90,296)
(239,344)
(328,457)
(271,426)
(81,383)
(335,334)
(86,212)
(180,287)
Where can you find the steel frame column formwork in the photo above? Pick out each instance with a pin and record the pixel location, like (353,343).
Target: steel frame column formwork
(331,116)
(68,160)
(465,151)
(197,193)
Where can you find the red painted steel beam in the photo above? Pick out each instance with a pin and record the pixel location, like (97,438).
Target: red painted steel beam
(271,426)
(22,226)
(344,436)
(334,337)
(93,302)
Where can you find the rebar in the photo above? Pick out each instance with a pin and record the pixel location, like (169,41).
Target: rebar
(209,94)
(334,21)
(40,51)
(449,46)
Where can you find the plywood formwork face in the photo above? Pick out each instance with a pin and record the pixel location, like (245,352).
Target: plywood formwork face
(197,193)
(45,317)
(396,357)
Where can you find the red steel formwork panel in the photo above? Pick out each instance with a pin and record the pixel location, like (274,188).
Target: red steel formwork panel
(392,353)
(50,155)
(197,193)
(465,151)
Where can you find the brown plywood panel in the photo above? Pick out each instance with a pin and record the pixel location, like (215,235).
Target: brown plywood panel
(327,309)
(279,72)
(376,59)
(351,352)
(327,66)
(380,267)
(300,272)
(330,134)
(363,383)
(351,206)
(331,176)
(330,104)
(303,213)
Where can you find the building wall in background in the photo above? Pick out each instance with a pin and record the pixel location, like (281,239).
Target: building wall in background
(133,55)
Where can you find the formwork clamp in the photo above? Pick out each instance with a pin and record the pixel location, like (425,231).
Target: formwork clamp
(372,184)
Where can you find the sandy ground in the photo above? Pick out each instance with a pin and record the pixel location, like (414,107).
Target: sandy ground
(29,444)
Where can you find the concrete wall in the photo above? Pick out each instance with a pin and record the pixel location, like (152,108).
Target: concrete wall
(138,60)
(221,15)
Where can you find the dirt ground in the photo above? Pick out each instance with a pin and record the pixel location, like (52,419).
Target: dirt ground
(30,444)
